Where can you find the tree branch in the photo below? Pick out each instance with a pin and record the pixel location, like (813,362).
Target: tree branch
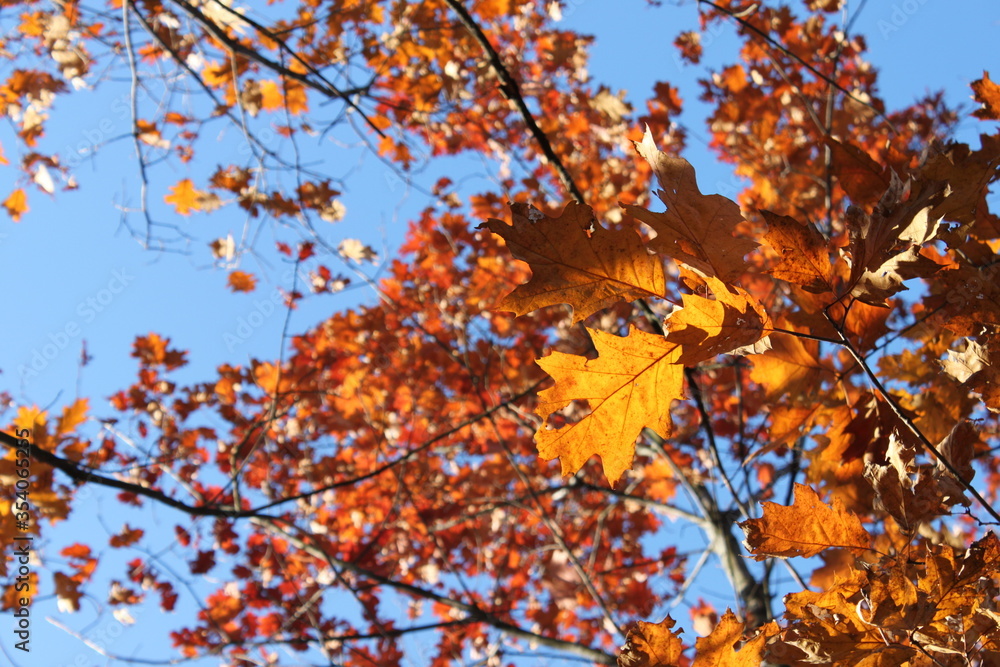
(512,92)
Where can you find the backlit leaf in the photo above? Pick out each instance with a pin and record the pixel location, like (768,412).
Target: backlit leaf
(576,261)
(805,528)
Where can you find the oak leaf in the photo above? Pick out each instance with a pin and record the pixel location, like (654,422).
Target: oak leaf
(792,367)
(805,528)
(717,649)
(577,261)
(628,387)
(67,592)
(185,197)
(885,245)
(241,281)
(696,229)
(732,322)
(863,179)
(987,94)
(652,645)
(16,204)
(804,253)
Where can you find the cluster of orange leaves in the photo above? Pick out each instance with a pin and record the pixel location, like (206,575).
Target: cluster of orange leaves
(371,380)
(892,602)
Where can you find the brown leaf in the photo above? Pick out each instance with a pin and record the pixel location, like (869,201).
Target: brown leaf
(696,229)
(885,245)
(804,253)
(577,261)
(987,93)
(651,645)
(805,528)
(863,179)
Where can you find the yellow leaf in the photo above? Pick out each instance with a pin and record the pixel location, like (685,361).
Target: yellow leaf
(805,528)
(717,649)
(792,366)
(185,197)
(630,386)
(72,416)
(16,204)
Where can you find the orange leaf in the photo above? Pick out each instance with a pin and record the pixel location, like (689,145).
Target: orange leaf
(630,386)
(127,537)
(732,322)
(240,281)
(805,528)
(987,93)
(652,645)
(185,197)
(577,261)
(695,229)
(792,366)
(863,179)
(16,204)
(152,351)
(804,253)
(72,416)
(717,649)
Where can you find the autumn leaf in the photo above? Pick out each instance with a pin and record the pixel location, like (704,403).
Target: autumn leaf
(126,537)
(804,253)
(16,204)
(629,386)
(791,367)
(576,261)
(355,250)
(652,645)
(885,245)
(719,648)
(72,416)
(696,229)
(987,94)
(152,350)
(185,197)
(240,281)
(860,176)
(67,592)
(732,322)
(805,528)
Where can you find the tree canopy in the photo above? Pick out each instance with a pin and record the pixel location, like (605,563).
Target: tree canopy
(501,456)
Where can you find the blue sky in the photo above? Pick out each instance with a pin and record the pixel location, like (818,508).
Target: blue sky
(74,273)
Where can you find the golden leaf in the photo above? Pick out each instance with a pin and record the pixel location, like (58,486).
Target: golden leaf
(630,386)
(805,528)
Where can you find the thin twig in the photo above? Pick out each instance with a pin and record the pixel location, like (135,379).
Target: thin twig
(512,92)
